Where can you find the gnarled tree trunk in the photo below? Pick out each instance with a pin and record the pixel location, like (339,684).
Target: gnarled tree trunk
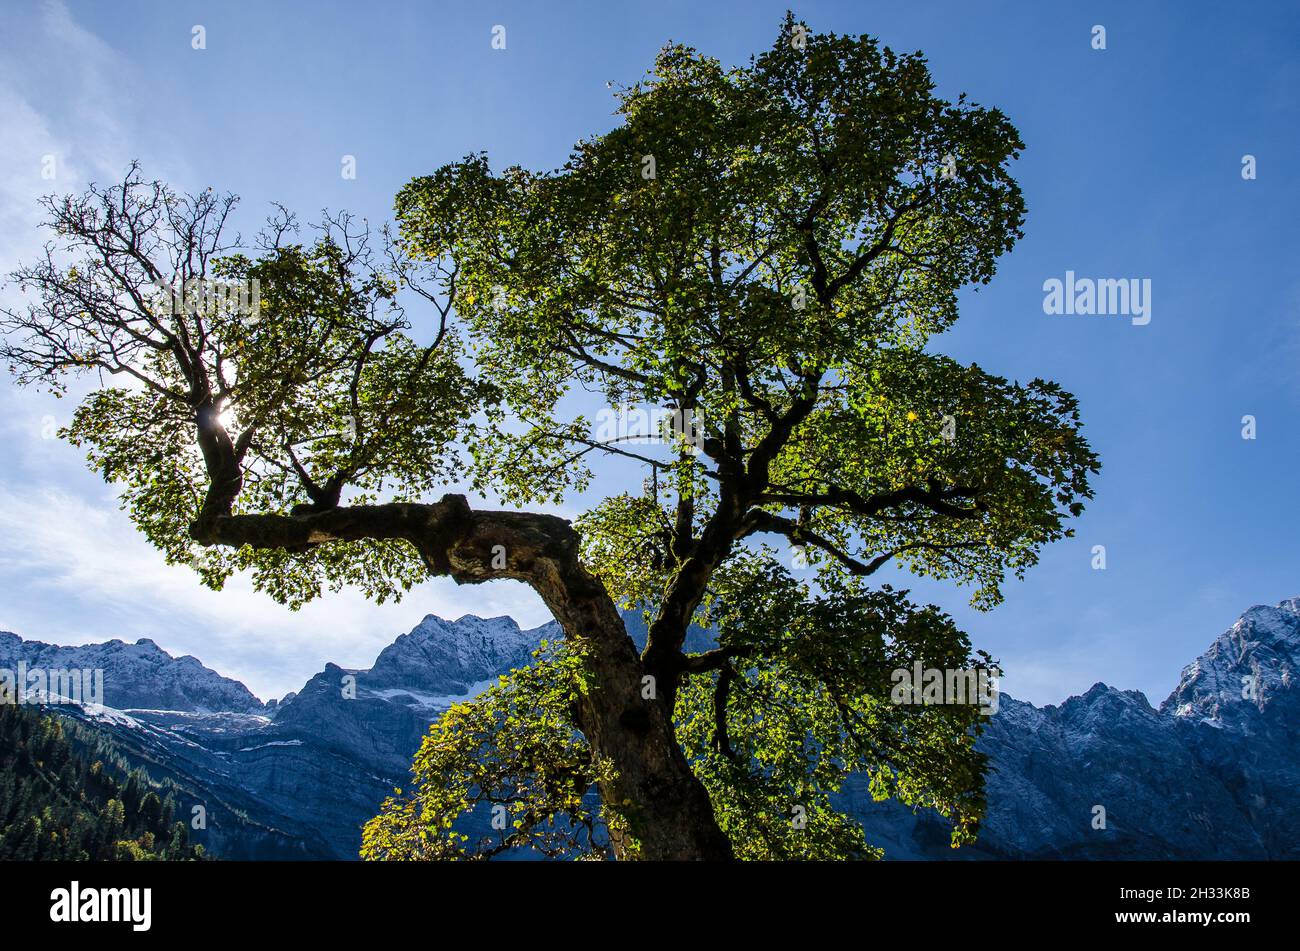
(667,811)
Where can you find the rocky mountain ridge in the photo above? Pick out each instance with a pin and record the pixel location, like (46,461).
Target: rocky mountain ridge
(139,675)
(1213,772)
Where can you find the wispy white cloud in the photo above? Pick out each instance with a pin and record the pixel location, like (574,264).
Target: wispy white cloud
(63,94)
(72,566)
(77,571)
(73,113)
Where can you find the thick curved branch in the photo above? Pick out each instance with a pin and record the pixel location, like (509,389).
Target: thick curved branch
(542,550)
(934,497)
(759,520)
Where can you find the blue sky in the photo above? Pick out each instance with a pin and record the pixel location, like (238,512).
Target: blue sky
(1133,170)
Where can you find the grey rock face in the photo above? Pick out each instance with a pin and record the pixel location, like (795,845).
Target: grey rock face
(380,715)
(140,675)
(1214,773)
(450,657)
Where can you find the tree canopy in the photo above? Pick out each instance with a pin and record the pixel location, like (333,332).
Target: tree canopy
(765,251)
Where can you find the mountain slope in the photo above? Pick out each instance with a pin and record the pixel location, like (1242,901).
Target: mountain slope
(295,778)
(1211,774)
(65,795)
(1214,772)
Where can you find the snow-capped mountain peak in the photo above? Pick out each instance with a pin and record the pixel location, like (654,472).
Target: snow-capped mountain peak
(136,676)
(1246,666)
(445,657)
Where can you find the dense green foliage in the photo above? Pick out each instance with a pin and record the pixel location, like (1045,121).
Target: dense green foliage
(766,252)
(511,756)
(777,275)
(57,803)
